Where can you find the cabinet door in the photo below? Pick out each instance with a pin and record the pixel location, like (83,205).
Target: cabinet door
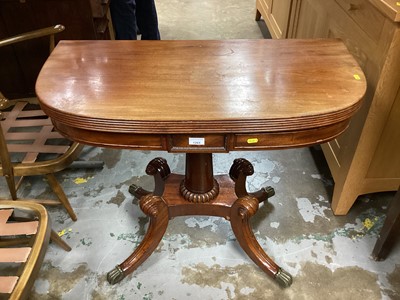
(277,18)
(311,21)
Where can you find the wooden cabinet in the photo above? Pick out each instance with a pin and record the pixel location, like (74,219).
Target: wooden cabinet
(276,15)
(366,158)
(21,63)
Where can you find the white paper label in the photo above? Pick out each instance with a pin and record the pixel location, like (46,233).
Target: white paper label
(199,141)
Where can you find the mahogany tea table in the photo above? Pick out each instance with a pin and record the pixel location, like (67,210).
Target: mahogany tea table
(199,98)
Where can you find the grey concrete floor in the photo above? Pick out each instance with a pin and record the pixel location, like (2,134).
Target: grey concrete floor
(198,258)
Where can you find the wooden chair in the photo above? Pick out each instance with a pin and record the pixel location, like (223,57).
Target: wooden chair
(390,230)
(24,236)
(27,138)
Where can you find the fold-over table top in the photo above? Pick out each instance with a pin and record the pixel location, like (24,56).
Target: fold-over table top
(210,86)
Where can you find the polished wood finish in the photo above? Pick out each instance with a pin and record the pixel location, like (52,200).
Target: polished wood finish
(233,203)
(243,86)
(390,231)
(365,158)
(200,97)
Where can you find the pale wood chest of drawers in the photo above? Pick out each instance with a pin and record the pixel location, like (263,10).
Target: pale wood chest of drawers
(366,158)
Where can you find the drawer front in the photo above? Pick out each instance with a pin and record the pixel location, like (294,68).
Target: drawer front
(112,139)
(197,143)
(358,23)
(365,15)
(266,141)
(361,43)
(282,140)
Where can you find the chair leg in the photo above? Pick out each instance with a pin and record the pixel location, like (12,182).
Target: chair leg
(57,189)
(11,186)
(54,237)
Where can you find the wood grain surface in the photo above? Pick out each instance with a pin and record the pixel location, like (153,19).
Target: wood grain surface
(176,87)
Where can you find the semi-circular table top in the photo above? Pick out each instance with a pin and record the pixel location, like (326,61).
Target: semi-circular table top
(200,86)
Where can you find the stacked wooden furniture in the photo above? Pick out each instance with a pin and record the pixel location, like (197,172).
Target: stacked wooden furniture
(366,158)
(20,64)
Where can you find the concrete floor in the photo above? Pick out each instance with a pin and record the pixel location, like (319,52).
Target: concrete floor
(199,258)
